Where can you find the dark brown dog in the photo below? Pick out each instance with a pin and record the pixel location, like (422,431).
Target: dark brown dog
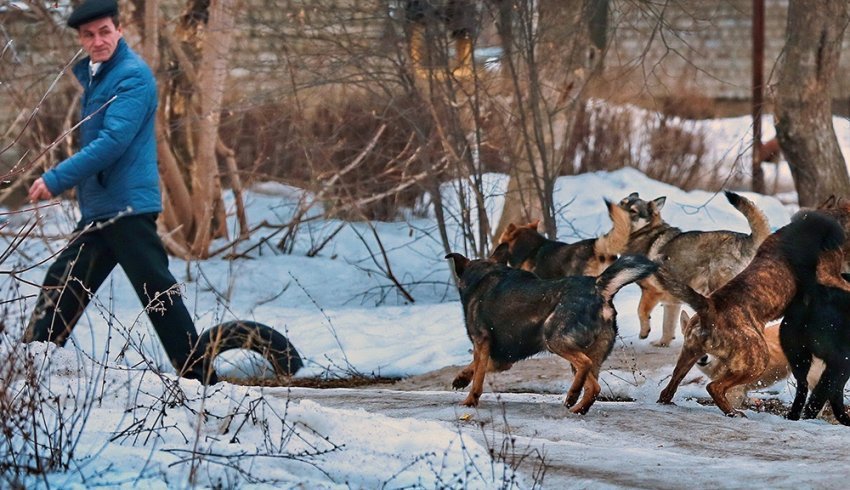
(704,260)
(551,259)
(512,314)
(729,324)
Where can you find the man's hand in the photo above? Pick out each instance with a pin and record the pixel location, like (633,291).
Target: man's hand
(39,191)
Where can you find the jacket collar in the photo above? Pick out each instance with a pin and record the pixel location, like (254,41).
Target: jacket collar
(81,69)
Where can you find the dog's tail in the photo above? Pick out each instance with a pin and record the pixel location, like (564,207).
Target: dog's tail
(682,291)
(626,270)
(614,242)
(805,239)
(759,226)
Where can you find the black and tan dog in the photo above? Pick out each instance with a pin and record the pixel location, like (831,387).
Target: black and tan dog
(512,314)
(817,324)
(729,324)
(704,260)
(550,259)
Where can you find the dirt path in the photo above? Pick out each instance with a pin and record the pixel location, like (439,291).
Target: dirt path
(547,373)
(621,445)
(617,444)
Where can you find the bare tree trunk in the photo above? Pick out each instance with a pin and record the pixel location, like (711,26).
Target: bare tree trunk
(804,99)
(553,58)
(150,40)
(196,55)
(210,85)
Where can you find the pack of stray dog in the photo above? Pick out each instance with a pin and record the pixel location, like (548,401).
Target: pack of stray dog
(521,301)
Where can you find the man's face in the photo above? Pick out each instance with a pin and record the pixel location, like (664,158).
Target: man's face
(100,38)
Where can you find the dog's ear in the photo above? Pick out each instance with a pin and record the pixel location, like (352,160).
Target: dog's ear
(628,199)
(501,254)
(510,228)
(534,224)
(658,202)
(684,319)
(829,203)
(460,262)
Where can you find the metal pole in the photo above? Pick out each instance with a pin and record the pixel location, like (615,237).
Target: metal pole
(758,86)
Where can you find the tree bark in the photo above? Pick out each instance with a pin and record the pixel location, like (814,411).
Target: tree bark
(210,85)
(804,99)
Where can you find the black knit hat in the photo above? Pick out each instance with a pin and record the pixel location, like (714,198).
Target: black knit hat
(91,10)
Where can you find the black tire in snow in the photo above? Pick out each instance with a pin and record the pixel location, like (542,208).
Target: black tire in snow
(254,336)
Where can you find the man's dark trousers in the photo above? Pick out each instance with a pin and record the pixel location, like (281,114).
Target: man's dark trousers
(80,269)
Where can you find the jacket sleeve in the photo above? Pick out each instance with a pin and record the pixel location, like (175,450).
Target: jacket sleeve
(121,122)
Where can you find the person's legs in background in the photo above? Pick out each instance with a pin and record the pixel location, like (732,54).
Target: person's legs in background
(140,252)
(74,276)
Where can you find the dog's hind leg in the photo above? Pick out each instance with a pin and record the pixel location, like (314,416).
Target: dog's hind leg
(591,392)
(687,358)
(671,320)
(649,298)
(480,359)
(582,366)
(836,397)
(800,364)
(830,386)
(464,376)
(717,389)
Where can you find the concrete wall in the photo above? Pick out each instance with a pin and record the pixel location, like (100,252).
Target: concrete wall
(700,46)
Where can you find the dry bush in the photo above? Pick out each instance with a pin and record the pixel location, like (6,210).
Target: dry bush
(687,104)
(670,150)
(306,143)
(601,140)
(678,156)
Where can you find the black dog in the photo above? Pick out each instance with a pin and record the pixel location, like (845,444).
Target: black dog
(511,314)
(817,323)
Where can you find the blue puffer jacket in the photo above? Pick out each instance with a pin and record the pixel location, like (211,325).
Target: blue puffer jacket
(115,170)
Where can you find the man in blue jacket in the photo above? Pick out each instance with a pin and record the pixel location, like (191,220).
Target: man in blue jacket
(117,182)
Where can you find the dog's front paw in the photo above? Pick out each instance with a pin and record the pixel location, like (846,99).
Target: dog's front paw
(661,343)
(665,399)
(470,401)
(461,381)
(580,410)
(736,413)
(642,335)
(571,399)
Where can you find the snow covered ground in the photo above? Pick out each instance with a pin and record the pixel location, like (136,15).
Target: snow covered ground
(141,428)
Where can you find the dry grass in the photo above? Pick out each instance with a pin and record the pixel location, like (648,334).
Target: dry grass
(305,142)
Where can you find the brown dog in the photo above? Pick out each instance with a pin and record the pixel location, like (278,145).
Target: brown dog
(729,324)
(704,260)
(550,259)
(512,314)
(777,366)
